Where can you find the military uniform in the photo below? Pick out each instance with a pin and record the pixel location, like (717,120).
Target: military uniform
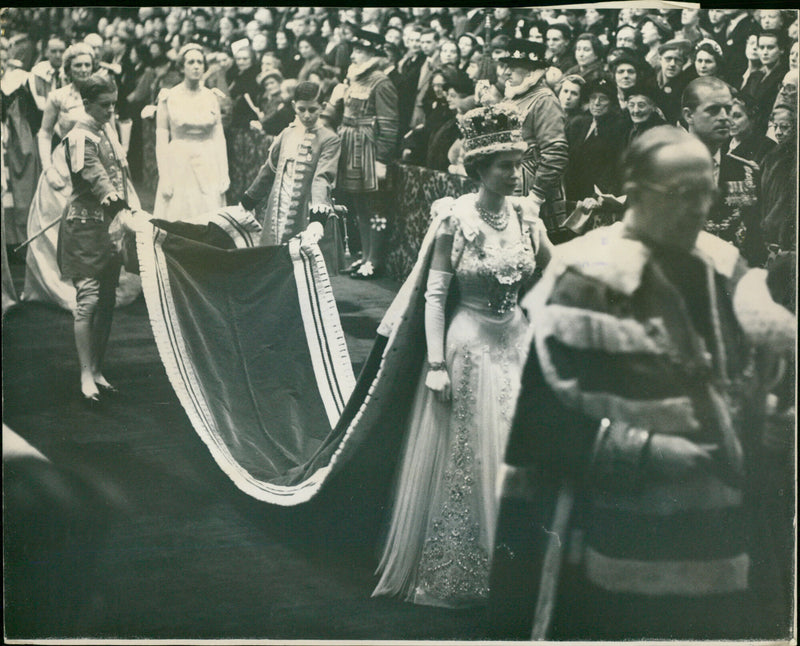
(735,215)
(544,162)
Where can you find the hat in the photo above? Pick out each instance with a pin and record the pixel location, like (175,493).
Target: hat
(239,45)
(206,38)
(710,46)
(621,55)
(602,85)
(525,53)
(650,90)
(368,41)
(501,41)
(681,44)
(491,129)
(665,31)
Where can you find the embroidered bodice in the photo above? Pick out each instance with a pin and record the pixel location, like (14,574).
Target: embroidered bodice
(192,115)
(490,266)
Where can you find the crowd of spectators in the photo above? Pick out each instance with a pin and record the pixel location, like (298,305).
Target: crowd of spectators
(616,72)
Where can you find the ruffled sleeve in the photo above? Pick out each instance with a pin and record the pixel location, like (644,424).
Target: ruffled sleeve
(443,208)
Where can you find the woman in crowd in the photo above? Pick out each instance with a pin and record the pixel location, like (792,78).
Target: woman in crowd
(642,109)
(588,53)
(467,46)
(690,27)
(708,59)
(485,247)
(284,48)
(572,97)
(628,70)
(307,48)
(753,62)
(746,141)
(43,281)
(243,85)
(595,141)
(270,104)
(655,31)
(190,145)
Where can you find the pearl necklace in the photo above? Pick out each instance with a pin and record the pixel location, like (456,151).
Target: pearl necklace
(498,221)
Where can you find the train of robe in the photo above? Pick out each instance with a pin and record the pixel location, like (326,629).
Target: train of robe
(252,344)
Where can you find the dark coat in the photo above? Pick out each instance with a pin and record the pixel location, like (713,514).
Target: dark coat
(779,196)
(763,89)
(594,161)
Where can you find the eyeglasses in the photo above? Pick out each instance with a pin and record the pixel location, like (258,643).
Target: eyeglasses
(782,127)
(681,192)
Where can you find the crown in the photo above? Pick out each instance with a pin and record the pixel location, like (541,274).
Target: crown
(491,129)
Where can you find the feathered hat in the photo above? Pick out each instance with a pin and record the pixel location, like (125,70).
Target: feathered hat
(491,129)
(525,53)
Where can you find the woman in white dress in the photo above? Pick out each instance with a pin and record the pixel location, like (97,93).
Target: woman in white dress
(190,145)
(64,107)
(486,248)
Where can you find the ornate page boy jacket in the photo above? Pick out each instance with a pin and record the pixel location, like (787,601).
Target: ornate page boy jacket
(300,171)
(98,168)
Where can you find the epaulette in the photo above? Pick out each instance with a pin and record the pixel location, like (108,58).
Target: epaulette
(77,146)
(746,162)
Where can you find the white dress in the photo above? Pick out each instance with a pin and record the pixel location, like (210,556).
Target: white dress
(439,541)
(195,158)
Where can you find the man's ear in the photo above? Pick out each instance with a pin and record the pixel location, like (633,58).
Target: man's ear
(687,113)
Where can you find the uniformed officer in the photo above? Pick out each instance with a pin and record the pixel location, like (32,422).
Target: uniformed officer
(735,215)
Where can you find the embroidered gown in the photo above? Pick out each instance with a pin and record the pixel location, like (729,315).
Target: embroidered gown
(439,541)
(43,281)
(195,160)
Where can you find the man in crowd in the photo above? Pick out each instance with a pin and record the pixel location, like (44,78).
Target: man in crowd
(558,46)
(542,128)
(429,46)
(409,68)
(735,214)
(45,75)
(623,512)
(672,78)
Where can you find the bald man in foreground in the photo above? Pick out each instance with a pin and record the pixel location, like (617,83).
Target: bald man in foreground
(624,512)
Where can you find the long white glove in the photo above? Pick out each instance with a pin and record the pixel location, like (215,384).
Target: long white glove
(435,298)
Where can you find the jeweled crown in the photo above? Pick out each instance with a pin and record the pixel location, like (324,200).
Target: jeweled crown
(491,129)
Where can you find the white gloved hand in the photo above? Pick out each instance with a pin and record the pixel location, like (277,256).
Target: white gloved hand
(312,234)
(148,111)
(439,382)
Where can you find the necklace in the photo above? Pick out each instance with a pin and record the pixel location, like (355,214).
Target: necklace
(498,221)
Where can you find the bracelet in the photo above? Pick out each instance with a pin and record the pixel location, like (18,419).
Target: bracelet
(437,365)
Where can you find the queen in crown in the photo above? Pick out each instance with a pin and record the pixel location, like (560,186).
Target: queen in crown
(485,248)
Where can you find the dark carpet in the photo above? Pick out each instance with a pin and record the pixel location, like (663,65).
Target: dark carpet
(132,531)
